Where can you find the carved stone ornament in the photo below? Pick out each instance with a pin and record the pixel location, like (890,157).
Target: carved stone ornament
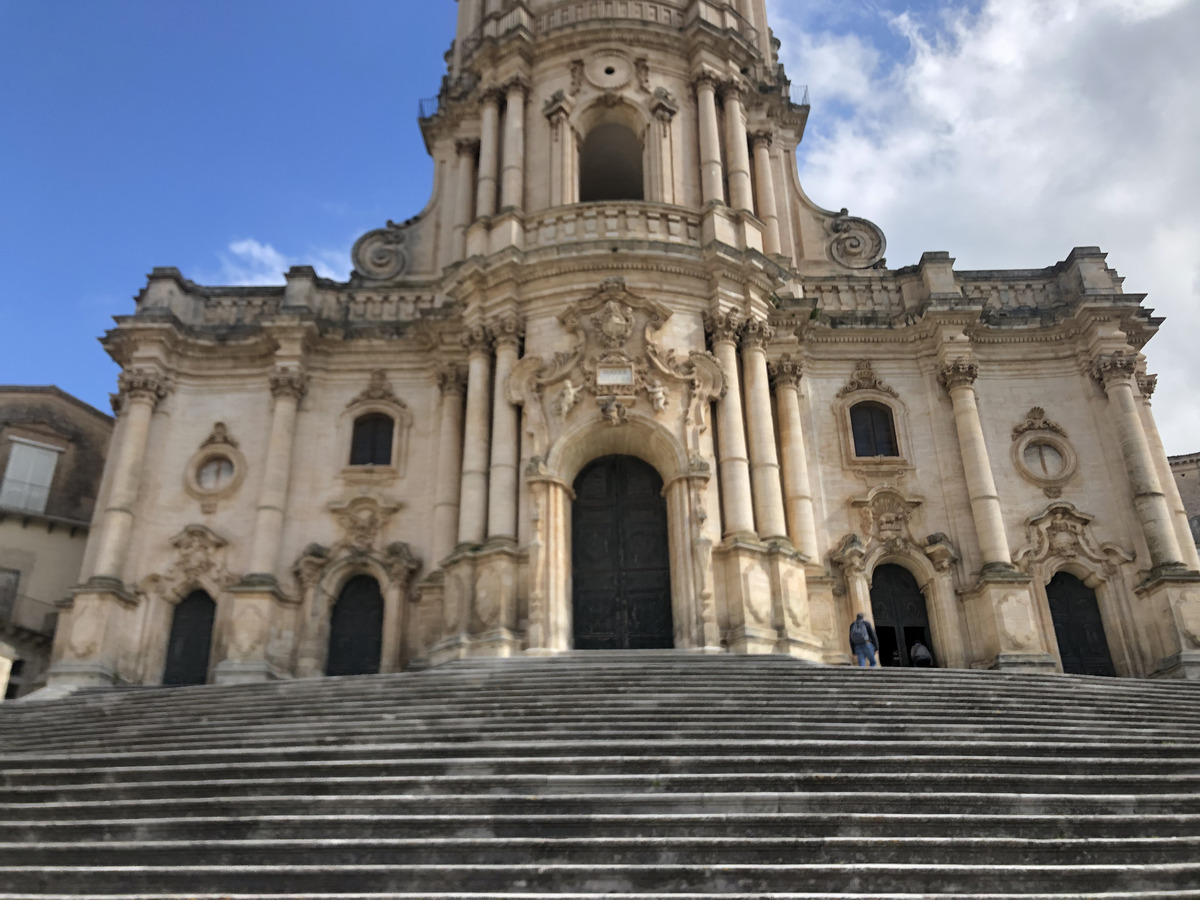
(308,568)
(959,372)
(289,383)
(724,326)
(476,339)
(1064,533)
(1035,420)
(380,254)
(886,515)
(199,563)
(856,243)
(451,379)
(664,106)
(557,107)
(1147,385)
(1016,621)
(362,520)
(613,324)
(219,437)
(378,390)
(786,371)
(141,384)
(1109,368)
(865,379)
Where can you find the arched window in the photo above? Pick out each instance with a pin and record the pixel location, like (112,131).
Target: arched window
(372,441)
(610,165)
(874,430)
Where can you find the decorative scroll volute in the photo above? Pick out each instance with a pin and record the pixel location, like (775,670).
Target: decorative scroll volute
(380,254)
(856,243)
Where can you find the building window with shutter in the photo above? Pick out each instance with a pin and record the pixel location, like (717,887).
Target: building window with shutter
(371,444)
(28,476)
(874,430)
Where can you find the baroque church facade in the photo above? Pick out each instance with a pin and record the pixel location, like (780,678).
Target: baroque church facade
(623,385)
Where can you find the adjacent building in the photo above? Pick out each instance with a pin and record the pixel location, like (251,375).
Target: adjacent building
(622,384)
(52,449)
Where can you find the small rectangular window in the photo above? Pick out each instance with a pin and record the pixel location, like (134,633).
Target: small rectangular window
(9,579)
(28,476)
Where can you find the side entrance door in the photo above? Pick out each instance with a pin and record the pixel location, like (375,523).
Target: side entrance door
(1082,643)
(901,618)
(620,568)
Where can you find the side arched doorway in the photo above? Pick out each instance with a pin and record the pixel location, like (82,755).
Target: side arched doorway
(1082,644)
(901,617)
(620,566)
(356,629)
(190,643)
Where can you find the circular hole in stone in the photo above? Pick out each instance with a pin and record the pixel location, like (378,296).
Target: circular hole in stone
(609,70)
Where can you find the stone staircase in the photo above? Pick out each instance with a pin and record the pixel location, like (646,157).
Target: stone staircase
(595,775)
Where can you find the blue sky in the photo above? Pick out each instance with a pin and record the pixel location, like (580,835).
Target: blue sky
(233,138)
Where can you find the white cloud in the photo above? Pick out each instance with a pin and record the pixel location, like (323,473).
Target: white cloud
(1011,133)
(251,262)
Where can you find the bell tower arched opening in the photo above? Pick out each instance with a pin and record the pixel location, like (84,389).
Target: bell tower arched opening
(620,565)
(610,164)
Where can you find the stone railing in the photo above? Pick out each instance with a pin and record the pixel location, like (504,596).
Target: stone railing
(562,15)
(612,221)
(856,295)
(239,310)
(364,307)
(1032,294)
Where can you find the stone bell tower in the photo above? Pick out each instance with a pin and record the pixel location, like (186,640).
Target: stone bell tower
(616,180)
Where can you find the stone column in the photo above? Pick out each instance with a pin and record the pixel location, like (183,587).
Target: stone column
(473,496)
(662,154)
(562,151)
(710,139)
(797,490)
(1116,372)
(288,385)
(765,177)
(449,464)
(502,481)
(958,378)
(513,187)
(489,155)
(1183,530)
(140,392)
(733,465)
(464,194)
(764,462)
(401,565)
(736,148)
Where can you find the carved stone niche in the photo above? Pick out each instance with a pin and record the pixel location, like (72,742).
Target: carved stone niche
(615,361)
(1061,534)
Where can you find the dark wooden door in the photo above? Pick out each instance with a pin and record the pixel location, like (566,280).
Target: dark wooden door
(901,618)
(1082,643)
(356,629)
(190,642)
(621,577)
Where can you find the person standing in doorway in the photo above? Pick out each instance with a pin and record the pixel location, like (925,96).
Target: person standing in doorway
(863,641)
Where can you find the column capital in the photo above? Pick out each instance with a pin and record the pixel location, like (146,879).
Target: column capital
(491,95)
(1146,384)
(724,326)
(476,340)
(786,372)
(507,330)
(1115,368)
(557,107)
(663,106)
(959,372)
(141,384)
(756,334)
(517,83)
(733,89)
(463,146)
(706,78)
(451,379)
(761,137)
(289,383)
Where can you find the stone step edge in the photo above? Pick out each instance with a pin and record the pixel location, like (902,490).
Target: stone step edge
(506,895)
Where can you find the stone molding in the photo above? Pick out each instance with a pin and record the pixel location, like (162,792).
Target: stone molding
(865,379)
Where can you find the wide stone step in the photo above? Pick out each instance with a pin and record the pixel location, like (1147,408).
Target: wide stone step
(522,895)
(556,784)
(826,802)
(784,825)
(618,879)
(613,851)
(891,765)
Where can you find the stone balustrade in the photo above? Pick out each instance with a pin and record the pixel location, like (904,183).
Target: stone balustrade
(626,221)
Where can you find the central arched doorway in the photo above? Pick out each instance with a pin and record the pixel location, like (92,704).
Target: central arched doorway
(190,642)
(901,617)
(620,567)
(1082,644)
(356,629)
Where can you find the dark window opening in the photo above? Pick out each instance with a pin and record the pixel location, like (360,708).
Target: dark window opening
(372,444)
(610,165)
(15,681)
(874,430)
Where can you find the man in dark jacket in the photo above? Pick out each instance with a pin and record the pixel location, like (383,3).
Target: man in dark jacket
(863,641)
